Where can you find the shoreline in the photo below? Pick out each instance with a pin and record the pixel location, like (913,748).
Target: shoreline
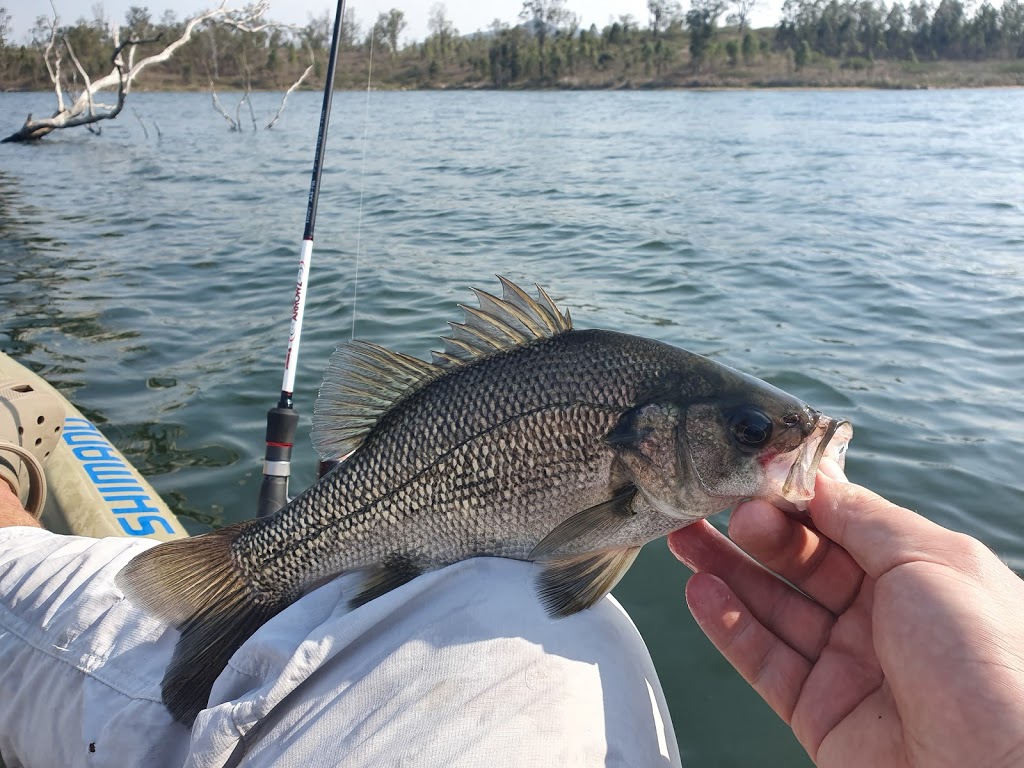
(776,73)
(385,88)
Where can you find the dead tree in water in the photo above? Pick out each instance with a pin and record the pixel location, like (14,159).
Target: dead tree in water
(235,123)
(84,109)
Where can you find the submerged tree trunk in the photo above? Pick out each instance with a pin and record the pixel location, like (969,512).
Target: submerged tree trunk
(85,110)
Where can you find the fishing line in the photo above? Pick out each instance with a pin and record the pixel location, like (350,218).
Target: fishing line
(362,179)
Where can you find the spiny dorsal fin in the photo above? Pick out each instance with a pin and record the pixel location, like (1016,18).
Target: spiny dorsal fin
(362,380)
(516,318)
(570,584)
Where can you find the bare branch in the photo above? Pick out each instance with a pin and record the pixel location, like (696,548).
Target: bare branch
(295,85)
(58,82)
(247,97)
(48,49)
(54,70)
(144,131)
(220,108)
(252,112)
(82,72)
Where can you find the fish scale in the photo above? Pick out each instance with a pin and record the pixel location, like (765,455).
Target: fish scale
(511,518)
(524,439)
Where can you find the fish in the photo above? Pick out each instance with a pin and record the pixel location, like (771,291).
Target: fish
(523,438)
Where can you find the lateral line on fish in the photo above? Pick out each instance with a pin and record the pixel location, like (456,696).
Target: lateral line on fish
(316,530)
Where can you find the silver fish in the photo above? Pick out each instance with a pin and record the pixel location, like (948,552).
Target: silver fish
(523,439)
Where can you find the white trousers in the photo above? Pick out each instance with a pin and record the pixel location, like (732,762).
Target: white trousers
(460,667)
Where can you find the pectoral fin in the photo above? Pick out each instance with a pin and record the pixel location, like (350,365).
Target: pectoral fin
(570,584)
(599,523)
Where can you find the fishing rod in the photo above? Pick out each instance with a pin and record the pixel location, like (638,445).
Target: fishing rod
(283,420)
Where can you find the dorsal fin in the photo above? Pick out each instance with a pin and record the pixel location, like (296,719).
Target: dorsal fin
(516,318)
(362,380)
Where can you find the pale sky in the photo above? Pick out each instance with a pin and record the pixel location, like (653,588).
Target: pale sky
(467,15)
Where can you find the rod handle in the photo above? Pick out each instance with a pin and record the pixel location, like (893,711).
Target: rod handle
(282,423)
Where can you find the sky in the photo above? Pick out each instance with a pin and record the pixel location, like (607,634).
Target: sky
(467,15)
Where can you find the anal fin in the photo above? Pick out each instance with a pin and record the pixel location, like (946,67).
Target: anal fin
(381,579)
(574,582)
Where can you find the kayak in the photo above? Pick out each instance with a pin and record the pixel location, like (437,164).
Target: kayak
(91,488)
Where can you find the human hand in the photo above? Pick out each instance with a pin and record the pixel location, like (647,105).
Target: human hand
(902,644)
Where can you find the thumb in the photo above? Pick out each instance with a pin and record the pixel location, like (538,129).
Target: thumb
(831,468)
(878,534)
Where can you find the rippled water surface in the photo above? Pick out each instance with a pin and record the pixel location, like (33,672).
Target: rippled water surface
(862,250)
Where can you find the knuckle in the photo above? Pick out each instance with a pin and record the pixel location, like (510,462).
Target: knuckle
(971,554)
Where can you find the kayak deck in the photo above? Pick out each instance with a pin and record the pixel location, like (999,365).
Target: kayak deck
(92,489)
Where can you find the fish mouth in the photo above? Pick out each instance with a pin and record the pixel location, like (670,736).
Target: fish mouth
(829,437)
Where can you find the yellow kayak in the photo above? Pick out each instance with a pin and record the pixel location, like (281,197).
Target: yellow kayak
(92,490)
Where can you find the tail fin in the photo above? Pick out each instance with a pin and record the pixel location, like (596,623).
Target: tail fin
(194,585)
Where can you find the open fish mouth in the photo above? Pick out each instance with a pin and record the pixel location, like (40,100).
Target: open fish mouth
(830,437)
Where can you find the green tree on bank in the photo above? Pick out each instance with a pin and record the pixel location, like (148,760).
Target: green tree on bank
(870,30)
(702,22)
(548,49)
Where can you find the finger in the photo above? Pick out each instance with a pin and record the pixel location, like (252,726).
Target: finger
(878,534)
(773,669)
(831,468)
(847,673)
(804,558)
(799,622)
(700,547)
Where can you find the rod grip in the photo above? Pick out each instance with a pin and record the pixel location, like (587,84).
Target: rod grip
(282,424)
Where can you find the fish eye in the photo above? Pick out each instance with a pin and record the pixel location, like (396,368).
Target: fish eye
(750,427)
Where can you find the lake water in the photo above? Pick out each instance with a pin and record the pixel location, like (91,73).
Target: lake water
(862,250)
